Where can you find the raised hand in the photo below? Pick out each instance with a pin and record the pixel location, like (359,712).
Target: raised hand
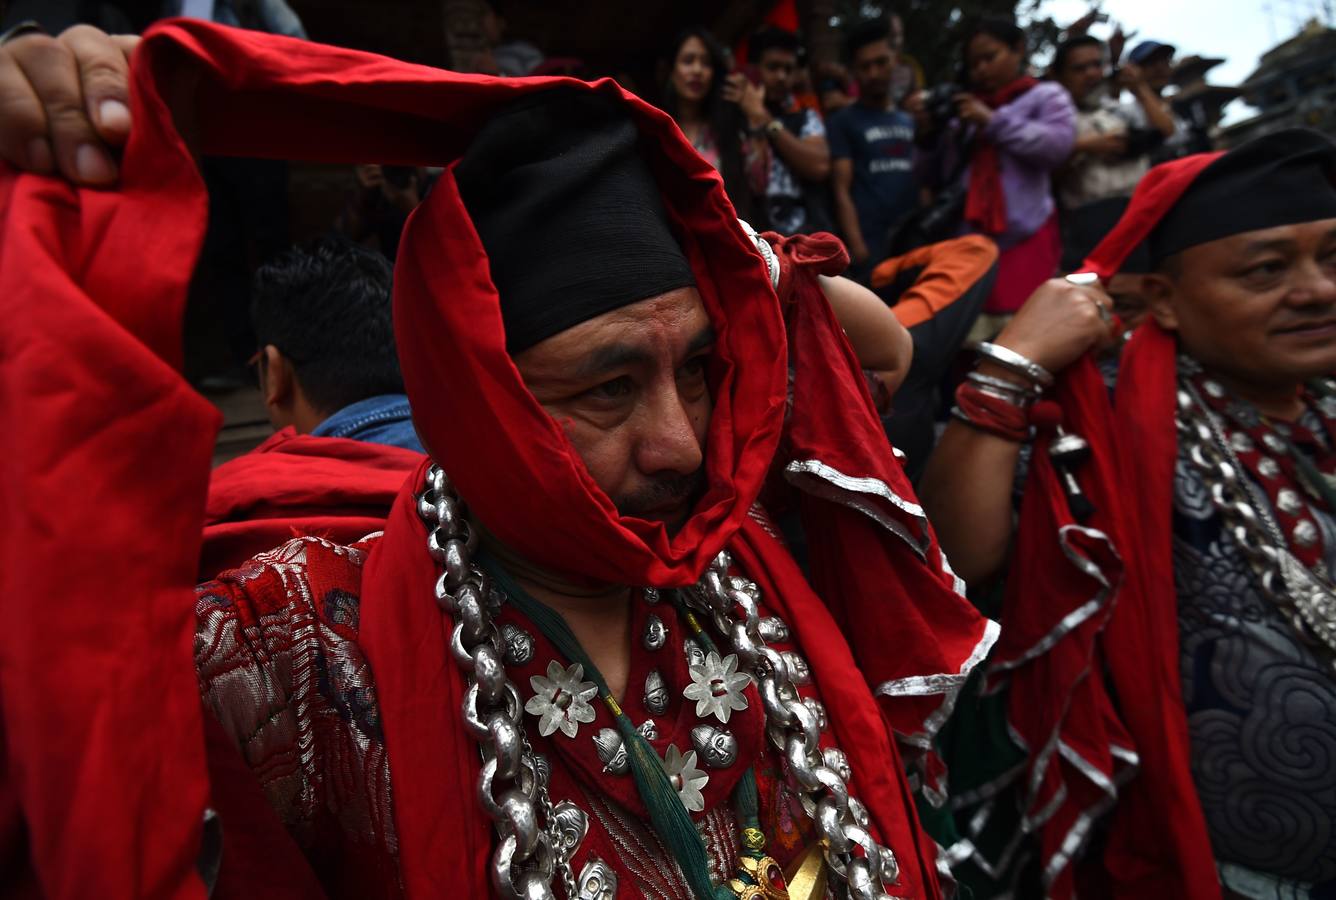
(65,103)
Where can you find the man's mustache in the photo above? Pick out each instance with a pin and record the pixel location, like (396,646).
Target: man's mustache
(664,490)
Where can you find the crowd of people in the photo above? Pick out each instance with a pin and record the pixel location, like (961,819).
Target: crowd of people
(840,486)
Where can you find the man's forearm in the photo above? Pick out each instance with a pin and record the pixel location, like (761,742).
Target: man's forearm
(966,490)
(1157,111)
(810,161)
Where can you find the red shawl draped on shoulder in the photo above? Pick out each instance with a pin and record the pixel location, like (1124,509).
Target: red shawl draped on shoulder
(93,405)
(1061,592)
(1100,598)
(292,484)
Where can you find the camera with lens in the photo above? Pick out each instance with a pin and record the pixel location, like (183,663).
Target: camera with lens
(939,103)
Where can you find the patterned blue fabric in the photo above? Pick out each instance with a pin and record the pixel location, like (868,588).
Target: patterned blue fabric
(1261,708)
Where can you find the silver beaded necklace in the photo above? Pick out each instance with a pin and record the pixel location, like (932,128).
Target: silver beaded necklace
(538,839)
(1306,600)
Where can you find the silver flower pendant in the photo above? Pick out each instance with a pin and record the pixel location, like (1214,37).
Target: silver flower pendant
(686,777)
(717,686)
(561,699)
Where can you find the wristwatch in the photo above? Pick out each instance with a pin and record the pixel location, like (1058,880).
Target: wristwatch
(773,127)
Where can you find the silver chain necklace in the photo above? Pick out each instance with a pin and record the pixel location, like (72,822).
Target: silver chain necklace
(537,838)
(1300,595)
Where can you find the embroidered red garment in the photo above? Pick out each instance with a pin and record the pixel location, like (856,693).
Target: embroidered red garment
(260,95)
(985,201)
(292,485)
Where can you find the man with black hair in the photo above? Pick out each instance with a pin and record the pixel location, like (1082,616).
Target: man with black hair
(872,147)
(327,361)
(1169,616)
(794,138)
(1113,138)
(344,438)
(564,664)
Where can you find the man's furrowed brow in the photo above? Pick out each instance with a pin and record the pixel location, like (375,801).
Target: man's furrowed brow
(610,358)
(703,340)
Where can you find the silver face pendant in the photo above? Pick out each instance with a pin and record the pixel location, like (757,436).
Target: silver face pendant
(519,645)
(798,670)
(656,633)
(651,596)
(656,693)
(597,881)
(835,758)
(773,631)
(572,824)
(818,712)
(716,747)
(1288,502)
(695,654)
(611,751)
(542,769)
(648,730)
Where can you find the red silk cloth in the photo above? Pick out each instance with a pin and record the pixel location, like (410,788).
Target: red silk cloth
(1159,845)
(985,200)
(1104,596)
(291,485)
(1060,595)
(104,746)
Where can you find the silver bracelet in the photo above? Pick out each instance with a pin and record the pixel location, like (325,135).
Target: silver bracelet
(1014,362)
(1027,392)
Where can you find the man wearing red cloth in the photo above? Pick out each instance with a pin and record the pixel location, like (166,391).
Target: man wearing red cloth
(1169,616)
(578,661)
(331,386)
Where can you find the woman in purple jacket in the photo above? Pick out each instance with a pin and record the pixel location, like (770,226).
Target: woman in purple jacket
(1016,131)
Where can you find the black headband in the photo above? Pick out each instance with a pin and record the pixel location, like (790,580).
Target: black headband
(1282,178)
(568,213)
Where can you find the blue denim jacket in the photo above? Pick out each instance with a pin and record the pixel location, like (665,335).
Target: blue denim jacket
(385,419)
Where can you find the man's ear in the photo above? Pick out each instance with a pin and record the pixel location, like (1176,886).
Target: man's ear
(276,378)
(1160,292)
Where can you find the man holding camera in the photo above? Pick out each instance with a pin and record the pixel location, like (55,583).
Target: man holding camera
(1114,139)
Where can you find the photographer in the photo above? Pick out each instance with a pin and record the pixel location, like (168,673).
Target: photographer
(1114,139)
(693,94)
(995,159)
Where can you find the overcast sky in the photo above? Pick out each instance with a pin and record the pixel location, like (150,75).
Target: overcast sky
(1239,30)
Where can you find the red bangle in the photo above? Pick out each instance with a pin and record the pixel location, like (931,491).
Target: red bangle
(992,414)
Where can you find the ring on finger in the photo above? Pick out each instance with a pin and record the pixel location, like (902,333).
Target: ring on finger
(1088,279)
(1105,314)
